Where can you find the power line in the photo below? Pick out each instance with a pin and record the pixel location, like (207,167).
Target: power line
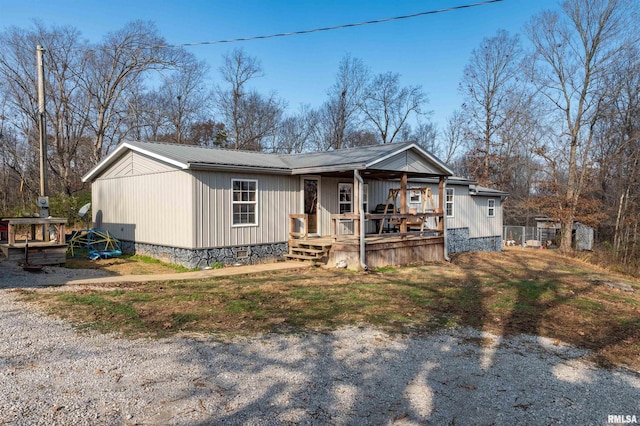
(337,27)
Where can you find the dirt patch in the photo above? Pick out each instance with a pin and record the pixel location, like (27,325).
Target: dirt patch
(126,265)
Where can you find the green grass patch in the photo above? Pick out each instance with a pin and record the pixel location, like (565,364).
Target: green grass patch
(587,306)
(386,269)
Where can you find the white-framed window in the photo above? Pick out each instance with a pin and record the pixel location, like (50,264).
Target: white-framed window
(244,202)
(415,196)
(365,198)
(345,198)
(448,202)
(491,207)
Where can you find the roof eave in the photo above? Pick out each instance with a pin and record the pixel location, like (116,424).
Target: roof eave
(327,169)
(238,168)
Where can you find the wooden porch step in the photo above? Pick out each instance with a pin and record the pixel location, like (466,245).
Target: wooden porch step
(301,256)
(308,244)
(308,250)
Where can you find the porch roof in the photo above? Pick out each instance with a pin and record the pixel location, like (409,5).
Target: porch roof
(376,161)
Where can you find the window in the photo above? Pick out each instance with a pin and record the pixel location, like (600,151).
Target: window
(415,196)
(448,205)
(244,202)
(491,204)
(345,197)
(365,198)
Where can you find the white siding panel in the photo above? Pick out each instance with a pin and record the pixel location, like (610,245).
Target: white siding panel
(135,164)
(408,161)
(155,208)
(329,200)
(278,196)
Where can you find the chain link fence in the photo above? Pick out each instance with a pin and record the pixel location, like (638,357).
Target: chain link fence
(519,235)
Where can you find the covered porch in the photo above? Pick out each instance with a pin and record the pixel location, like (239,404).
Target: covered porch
(391,233)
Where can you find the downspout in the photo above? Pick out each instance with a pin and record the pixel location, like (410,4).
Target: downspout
(356,174)
(444,221)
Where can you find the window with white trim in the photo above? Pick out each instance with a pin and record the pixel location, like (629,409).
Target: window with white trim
(448,202)
(491,207)
(365,198)
(244,202)
(345,198)
(415,196)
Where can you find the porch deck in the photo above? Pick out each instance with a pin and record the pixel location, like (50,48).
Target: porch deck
(380,250)
(416,238)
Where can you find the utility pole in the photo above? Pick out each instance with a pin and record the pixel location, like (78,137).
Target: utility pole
(42,123)
(43,202)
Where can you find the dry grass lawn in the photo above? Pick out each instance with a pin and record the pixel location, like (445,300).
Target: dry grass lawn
(518,291)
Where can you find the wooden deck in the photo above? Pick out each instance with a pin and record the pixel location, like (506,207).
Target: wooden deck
(380,250)
(39,253)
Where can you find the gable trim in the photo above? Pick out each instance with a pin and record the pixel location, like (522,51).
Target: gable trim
(106,162)
(437,163)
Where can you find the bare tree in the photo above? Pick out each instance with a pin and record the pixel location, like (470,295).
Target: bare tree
(452,137)
(117,64)
(67,106)
(297,131)
(340,112)
(618,155)
(488,83)
(237,70)
(574,53)
(185,98)
(387,106)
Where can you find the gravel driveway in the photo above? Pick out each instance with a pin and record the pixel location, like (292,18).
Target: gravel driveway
(53,374)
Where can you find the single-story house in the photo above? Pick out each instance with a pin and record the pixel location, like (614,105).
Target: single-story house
(199,206)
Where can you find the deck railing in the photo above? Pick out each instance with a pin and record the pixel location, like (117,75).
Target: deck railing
(390,223)
(304,225)
(393,222)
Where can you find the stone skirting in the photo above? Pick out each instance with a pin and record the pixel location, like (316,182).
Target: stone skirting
(202,258)
(458,241)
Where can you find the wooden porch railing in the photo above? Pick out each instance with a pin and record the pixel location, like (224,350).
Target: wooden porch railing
(293,217)
(384,221)
(409,220)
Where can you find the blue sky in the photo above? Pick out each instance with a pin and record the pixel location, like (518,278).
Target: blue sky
(430,50)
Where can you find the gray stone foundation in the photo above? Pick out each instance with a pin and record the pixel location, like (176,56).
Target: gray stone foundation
(458,241)
(202,258)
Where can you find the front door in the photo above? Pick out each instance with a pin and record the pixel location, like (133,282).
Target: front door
(311,191)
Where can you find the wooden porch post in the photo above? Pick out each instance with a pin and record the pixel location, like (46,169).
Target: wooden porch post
(356,205)
(403,201)
(441,200)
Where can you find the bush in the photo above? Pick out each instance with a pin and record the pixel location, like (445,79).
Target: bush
(67,206)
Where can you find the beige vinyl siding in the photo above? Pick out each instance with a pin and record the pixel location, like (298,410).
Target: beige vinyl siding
(278,196)
(155,208)
(485,226)
(135,164)
(329,200)
(470,211)
(409,161)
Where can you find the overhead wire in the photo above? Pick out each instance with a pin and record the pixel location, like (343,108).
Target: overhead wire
(336,27)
